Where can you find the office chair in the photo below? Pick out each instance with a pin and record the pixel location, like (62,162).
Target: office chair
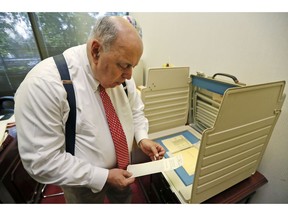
(6,106)
(50,195)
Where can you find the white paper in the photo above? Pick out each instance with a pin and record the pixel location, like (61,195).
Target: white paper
(2,132)
(176,143)
(155,166)
(4,124)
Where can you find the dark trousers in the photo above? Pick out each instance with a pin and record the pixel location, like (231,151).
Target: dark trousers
(77,194)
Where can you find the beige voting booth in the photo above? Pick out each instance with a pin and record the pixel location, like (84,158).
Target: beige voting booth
(220,128)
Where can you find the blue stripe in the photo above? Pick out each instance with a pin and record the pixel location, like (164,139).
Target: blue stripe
(211,85)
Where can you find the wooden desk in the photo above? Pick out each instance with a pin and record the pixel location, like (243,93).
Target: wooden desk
(157,190)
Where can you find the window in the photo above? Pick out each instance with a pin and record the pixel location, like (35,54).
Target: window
(26,38)
(18,50)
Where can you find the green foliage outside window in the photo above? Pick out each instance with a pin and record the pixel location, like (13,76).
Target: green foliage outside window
(26,38)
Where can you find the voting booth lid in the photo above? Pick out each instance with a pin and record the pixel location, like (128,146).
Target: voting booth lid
(166,97)
(232,121)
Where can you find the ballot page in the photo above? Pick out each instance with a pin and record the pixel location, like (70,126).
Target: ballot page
(176,144)
(182,144)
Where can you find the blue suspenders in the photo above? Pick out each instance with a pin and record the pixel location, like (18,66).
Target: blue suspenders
(68,85)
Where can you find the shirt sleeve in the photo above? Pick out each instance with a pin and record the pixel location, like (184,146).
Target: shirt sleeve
(41,111)
(141,124)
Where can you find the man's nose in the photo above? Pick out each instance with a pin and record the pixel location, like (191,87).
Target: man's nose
(127,74)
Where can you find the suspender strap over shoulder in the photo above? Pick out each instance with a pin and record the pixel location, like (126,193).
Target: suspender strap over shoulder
(68,85)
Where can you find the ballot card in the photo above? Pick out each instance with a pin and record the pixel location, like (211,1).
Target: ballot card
(157,166)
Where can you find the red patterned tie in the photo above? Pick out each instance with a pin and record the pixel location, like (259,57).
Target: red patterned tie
(116,130)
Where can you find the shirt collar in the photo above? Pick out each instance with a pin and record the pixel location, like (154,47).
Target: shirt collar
(93,82)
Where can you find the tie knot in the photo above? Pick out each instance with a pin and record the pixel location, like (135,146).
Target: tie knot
(101,88)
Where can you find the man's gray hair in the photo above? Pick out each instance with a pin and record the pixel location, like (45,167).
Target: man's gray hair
(105,31)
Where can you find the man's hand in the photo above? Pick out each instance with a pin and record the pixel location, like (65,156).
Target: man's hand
(154,150)
(119,178)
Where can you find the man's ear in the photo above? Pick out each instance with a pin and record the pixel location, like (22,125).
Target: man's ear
(95,49)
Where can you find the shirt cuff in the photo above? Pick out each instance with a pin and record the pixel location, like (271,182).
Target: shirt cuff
(98,180)
(142,134)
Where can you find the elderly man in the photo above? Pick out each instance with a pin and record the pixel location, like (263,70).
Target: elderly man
(97,70)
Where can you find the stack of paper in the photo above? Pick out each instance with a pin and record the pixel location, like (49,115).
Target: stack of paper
(3,133)
(4,124)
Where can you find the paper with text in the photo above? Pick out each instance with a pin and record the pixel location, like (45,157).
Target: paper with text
(190,156)
(176,144)
(155,166)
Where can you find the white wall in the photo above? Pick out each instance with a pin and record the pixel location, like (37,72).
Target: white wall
(251,46)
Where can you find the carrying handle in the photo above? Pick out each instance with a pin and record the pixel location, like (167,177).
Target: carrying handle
(227,75)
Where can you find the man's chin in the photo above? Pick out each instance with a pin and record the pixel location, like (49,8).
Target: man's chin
(113,85)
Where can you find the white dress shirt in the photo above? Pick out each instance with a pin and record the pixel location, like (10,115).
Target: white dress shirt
(41,111)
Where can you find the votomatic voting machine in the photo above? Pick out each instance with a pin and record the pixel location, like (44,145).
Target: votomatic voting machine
(220,127)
